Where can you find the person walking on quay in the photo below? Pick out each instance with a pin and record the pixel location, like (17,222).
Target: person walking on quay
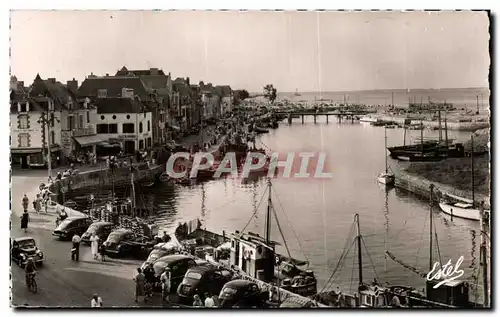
(75,251)
(25,202)
(102,251)
(94,245)
(37,203)
(24,220)
(140,281)
(165,279)
(96,301)
(197,301)
(209,301)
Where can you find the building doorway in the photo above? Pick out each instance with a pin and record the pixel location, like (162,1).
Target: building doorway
(129,147)
(24,161)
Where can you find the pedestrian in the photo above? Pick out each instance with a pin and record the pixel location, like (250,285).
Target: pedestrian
(165,279)
(140,280)
(96,301)
(197,301)
(94,245)
(209,302)
(102,251)
(24,220)
(75,250)
(25,202)
(38,203)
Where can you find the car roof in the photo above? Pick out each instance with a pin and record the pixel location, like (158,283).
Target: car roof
(23,239)
(122,231)
(204,268)
(173,257)
(102,223)
(239,283)
(76,217)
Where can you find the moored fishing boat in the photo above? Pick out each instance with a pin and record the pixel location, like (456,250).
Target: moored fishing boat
(386,177)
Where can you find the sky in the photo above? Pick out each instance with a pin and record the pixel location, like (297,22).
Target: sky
(308,51)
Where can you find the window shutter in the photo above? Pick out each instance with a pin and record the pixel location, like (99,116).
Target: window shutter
(19,120)
(28,122)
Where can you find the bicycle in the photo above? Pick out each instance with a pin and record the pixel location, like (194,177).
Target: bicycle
(32,286)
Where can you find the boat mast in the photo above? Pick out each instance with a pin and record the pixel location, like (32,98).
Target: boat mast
(268,216)
(385,149)
(430,228)
(472,165)
(360,262)
(446,131)
(422,136)
(483,254)
(404,134)
(133,193)
(392,98)
(269,268)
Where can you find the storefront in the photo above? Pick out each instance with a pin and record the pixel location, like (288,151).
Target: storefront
(33,157)
(88,143)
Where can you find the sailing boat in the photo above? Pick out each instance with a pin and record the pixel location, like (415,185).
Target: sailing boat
(461,207)
(386,177)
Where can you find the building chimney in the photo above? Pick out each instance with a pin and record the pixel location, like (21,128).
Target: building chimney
(20,84)
(107,75)
(72,85)
(187,81)
(201,84)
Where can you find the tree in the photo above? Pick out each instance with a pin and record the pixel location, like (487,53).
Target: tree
(243,94)
(270,93)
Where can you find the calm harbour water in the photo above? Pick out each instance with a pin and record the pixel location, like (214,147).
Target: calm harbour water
(321,212)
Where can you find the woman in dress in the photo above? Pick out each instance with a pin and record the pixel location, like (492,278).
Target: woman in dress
(24,221)
(140,281)
(95,246)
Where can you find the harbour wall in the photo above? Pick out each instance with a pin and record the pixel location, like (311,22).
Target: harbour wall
(451,125)
(121,176)
(421,187)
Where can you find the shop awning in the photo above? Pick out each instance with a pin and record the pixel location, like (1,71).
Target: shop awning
(33,150)
(90,139)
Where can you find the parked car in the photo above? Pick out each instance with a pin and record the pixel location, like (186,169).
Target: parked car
(71,226)
(102,229)
(124,242)
(203,279)
(179,264)
(24,248)
(160,250)
(242,294)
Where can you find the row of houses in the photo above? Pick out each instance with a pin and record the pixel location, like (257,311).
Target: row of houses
(135,109)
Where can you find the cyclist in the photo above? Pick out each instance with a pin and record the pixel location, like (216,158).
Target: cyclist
(29,270)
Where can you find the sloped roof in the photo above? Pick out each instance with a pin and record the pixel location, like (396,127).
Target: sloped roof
(113,85)
(119,105)
(182,89)
(223,91)
(143,72)
(155,81)
(53,89)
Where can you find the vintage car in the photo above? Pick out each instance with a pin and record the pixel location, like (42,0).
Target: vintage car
(71,226)
(203,279)
(24,248)
(179,264)
(124,242)
(242,294)
(102,229)
(160,250)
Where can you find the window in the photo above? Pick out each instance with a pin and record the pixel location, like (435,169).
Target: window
(102,128)
(148,142)
(149,126)
(80,121)
(24,140)
(141,144)
(113,128)
(23,107)
(102,117)
(114,117)
(128,116)
(52,119)
(88,116)
(128,128)
(70,123)
(24,122)
(52,137)
(102,93)
(140,127)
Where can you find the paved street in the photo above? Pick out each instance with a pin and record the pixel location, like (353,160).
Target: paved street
(62,282)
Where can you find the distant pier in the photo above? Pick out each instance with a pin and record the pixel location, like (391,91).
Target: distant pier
(347,115)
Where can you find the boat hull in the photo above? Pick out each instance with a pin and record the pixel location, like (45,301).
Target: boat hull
(465,213)
(386,179)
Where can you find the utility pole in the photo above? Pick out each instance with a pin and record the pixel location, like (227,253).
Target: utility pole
(477,104)
(47,120)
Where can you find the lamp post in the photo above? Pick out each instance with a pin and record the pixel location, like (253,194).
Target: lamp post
(47,120)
